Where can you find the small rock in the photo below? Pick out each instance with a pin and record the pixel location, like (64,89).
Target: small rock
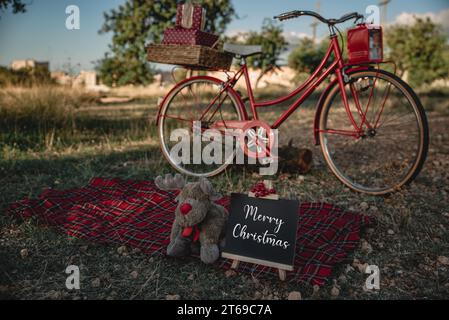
(258,295)
(294,295)
(134,274)
(96,282)
(445,214)
(390,232)
(362,267)
(122,250)
(301,178)
(54,295)
(342,279)
(443,260)
(366,247)
(172,297)
(316,289)
(24,253)
(364,206)
(191,277)
(230,273)
(335,292)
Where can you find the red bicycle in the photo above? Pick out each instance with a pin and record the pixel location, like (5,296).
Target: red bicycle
(370,124)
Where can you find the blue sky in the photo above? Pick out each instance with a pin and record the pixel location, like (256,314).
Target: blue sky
(40,33)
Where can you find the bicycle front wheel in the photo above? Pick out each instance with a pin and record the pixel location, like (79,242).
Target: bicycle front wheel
(392,147)
(200,101)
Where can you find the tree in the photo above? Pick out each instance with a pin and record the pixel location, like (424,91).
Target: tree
(139,22)
(273,45)
(17,5)
(420,50)
(307,56)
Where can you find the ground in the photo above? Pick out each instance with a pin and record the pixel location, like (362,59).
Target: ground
(409,243)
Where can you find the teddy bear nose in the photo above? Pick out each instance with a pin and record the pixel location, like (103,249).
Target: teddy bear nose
(186,208)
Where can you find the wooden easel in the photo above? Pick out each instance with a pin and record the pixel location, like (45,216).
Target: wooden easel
(269,185)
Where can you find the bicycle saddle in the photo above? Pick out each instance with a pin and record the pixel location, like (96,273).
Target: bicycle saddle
(242,50)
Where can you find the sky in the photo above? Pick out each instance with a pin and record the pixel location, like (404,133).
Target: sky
(41,33)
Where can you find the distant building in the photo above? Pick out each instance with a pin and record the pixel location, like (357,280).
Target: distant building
(87,79)
(32,64)
(90,81)
(62,78)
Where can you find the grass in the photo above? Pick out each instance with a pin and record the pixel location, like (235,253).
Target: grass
(31,118)
(119,141)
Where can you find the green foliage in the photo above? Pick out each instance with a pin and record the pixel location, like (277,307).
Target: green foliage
(137,23)
(307,56)
(17,5)
(218,14)
(273,45)
(26,77)
(420,49)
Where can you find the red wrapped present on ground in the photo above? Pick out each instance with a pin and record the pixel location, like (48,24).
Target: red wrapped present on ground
(190,16)
(189,37)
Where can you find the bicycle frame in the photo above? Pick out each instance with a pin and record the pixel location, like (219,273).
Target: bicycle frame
(310,85)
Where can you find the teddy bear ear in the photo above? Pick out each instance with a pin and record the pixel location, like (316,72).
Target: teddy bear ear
(207,188)
(170,183)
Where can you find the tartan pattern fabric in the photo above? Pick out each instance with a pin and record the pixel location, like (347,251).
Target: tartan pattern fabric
(189,37)
(137,214)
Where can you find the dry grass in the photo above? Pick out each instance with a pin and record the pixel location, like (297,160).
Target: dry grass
(45,107)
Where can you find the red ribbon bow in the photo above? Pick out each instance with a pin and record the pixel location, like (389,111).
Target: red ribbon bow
(188,232)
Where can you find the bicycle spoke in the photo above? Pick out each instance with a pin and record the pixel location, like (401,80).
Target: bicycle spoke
(384,156)
(204,101)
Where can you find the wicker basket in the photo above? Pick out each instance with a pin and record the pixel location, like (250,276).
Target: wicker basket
(192,57)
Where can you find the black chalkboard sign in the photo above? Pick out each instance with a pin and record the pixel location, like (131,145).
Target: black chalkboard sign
(262,231)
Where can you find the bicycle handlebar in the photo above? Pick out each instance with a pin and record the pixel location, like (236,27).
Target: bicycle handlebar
(299,13)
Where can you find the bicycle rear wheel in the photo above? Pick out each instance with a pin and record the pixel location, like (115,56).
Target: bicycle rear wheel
(201,100)
(393,146)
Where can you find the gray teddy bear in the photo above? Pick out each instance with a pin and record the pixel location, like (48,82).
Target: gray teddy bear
(200,224)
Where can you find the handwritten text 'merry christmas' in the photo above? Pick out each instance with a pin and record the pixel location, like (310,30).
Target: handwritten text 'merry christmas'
(266,238)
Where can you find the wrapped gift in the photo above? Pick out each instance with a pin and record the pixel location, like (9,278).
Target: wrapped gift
(190,16)
(189,37)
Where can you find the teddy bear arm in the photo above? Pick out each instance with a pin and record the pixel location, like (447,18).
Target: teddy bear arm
(212,230)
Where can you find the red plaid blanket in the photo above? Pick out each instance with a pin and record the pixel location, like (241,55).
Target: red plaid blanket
(138,214)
